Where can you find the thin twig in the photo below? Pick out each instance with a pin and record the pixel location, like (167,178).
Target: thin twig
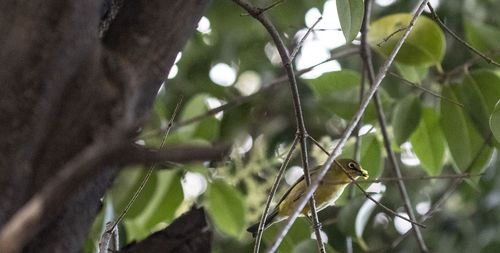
(146,178)
(326,29)
(336,151)
(405,81)
(260,230)
(301,42)
(301,129)
(391,35)
(458,69)
(367,61)
(463,42)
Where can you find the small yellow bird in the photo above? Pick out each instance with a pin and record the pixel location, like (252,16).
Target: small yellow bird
(330,188)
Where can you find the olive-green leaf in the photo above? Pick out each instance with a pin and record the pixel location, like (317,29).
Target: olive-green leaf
(464,140)
(495,121)
(338,92)
(300,231)
(406,117)
(364,213)
(425,45)
(428,142)
(167,198)
(310,245)
(350,16)
(453,122)
(415,74)
(226,207)
(337,81)
(347,217)
(482,37)
(481,90)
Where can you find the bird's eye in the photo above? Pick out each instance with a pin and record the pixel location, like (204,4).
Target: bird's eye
(352,166)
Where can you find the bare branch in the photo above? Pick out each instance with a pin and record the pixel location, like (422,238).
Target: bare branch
(367,62)
(301,42)
(405,81)
(260,230)
(463,42)
(301,129)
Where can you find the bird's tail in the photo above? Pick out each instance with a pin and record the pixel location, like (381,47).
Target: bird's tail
(269,220)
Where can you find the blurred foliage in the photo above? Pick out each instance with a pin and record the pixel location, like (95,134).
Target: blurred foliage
(445,137)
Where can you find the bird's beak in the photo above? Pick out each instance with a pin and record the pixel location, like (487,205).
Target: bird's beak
(363,173)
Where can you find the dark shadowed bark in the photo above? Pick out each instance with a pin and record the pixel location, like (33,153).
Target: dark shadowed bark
(187,234)
(64,91)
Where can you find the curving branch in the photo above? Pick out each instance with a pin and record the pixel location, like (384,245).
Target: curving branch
(258,14)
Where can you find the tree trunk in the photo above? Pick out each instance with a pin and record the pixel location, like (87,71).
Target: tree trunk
(64,89)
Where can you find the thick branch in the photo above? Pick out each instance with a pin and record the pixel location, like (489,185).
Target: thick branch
(187,234)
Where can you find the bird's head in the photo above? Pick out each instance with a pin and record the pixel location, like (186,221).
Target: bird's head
(353,168)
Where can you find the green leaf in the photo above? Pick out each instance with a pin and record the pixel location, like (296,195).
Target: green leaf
(134,230)
(495,121)
(126,185)
(364,213)
(208,129)
(406,117)
(482,37)
(167,198)
(480,91)
(347,217)
(464,141)
(300,231)
(415,74)
(488,83)
(226,207)
(333,82)
(350,16)
(428,142)
(425,45)
(454,124)
(338,92)
(310,245)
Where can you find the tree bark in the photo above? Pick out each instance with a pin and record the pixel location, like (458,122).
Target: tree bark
(63,90)
(187,234)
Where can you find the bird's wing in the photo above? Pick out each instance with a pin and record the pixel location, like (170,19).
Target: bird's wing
(290,190)
(313,171)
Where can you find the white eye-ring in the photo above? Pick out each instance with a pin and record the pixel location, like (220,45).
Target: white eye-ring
(352,165)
